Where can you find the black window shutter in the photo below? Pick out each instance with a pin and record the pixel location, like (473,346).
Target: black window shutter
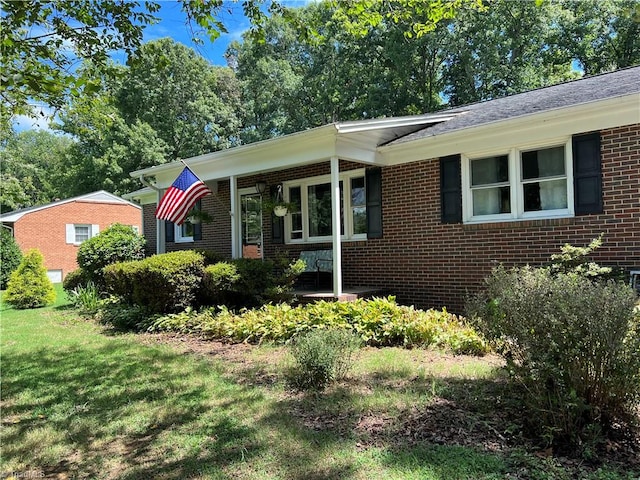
(277,230)
(169,232)
(587,174)
(450,189)
(373,189)
(197,231)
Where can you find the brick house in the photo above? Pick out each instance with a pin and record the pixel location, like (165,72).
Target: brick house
(427,205)
(58,228)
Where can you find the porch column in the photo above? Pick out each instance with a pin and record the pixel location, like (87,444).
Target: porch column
(161,246)
(233,193)
(335,226)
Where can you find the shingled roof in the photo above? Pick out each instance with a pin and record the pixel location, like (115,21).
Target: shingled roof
(585,90)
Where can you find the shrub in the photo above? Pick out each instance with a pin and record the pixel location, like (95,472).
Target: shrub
(77,278)
(321,357)
(10,256)
(163,283)
(248,282)
(117,243)
(572,342)
(29,286)
(218,281)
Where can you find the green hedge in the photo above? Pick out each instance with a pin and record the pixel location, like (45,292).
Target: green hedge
(164,283)
(378,322)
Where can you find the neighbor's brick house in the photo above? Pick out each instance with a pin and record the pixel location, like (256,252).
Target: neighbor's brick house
(429,204)
(57,229)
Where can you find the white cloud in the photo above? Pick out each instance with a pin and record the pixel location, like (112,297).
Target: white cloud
(39,119)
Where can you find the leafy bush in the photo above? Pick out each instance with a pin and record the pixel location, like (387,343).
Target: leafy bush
(77,278)
(117,243)
(218,281)
(163,283)
(321,357)
(122,316)
(86,298)
(29,286)
(248,282)
(572,342)
(378,322)
(10,256)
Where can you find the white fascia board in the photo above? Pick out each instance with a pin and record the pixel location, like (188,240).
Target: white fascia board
(503,134)
(144,196)
(391,122)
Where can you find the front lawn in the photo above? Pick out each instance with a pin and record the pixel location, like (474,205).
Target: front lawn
(82,402)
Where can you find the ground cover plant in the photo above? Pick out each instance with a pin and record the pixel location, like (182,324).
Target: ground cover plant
(378,322)
(81,402)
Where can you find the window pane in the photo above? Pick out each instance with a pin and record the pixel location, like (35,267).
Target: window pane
(491,201)
(358,196)
(82,233)
(296,213)
(359,220)
(549,195)
(485,171)
(548,162)
(186,229)
(319,210)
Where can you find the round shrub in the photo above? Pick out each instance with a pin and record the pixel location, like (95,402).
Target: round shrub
(218,282)
(29,286)
(117,243)
(10,256)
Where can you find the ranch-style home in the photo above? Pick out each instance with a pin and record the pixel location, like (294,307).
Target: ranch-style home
(424,206)
(57,229)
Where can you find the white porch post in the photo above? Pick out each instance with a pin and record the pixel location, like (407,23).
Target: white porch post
(335,226)
(233,193)
(161,246)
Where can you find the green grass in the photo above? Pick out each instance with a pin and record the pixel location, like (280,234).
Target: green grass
(86,403)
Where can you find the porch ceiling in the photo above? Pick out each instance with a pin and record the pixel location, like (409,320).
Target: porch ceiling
(354,141)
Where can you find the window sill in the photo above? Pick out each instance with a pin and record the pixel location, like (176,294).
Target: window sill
(315,241)
(520,223)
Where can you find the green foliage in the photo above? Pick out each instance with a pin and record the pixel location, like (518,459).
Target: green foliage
(77,278)
(85,298)
(573,260)
(321,357)
(29,286)
(378,322)
(571,341)
(30,162)
(117,243)
(247,282)
(164,283)
(10,256)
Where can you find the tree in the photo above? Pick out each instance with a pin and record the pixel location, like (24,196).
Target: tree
(190,104)
(10,256)
(106,148)
(29,161)
(29,286)
(502,50)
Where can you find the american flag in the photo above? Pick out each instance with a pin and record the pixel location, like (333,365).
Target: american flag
(183,193)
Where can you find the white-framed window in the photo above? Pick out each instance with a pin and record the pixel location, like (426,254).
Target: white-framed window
(76,233)
(183,233)
(309,220)
(528,182)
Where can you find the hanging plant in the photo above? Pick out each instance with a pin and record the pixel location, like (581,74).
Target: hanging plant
(196,216)
(277,205)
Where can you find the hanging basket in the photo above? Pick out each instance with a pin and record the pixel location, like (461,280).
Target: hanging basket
(280,210)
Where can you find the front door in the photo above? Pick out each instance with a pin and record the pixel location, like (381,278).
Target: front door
(251,225)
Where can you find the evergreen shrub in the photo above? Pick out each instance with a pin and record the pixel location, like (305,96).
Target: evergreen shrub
(169,282)
(29,286)
(10,256)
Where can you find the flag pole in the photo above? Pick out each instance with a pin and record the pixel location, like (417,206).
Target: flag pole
(194,173)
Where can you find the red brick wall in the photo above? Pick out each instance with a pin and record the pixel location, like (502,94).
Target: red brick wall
(46,229)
